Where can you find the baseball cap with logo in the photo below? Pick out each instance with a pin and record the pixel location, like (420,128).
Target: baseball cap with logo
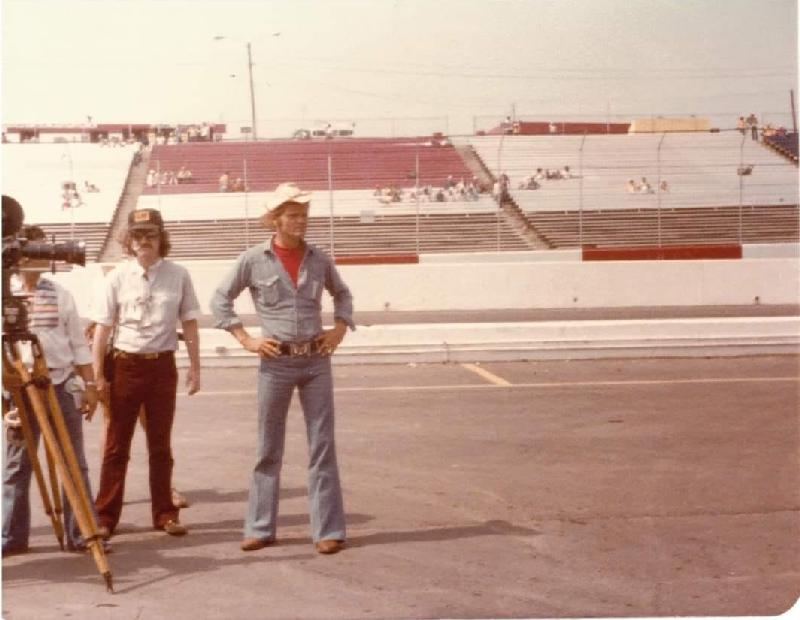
(145,219)
(286,192)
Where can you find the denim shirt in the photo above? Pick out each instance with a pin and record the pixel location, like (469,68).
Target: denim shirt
(287,314)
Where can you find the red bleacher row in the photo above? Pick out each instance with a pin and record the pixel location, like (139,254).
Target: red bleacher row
(355,164)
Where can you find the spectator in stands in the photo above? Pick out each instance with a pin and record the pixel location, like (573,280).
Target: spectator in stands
(54,319)
(552,127)
(90,187)
(645,187)
(632,187)
(225,181)
(183,175)
(289,275)
(150,181)
(752,122)
(664,186)
(539,176)
(144,364)
(238,185)
(741,125)
(566,173)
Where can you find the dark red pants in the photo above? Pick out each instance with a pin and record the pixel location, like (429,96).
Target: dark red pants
(152,383)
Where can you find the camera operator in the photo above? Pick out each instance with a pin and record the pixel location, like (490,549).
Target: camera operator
(53,317)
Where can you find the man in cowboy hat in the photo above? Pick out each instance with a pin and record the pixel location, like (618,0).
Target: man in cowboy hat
(286,277)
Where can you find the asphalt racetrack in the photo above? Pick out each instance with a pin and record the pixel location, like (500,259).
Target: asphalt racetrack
(631,487)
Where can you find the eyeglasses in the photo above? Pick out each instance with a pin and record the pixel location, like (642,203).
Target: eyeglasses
(140,234)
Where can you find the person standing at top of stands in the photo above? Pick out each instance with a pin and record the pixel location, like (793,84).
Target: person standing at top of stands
(225,182)
(286,277)
(741,125)
(54,319)
(752,122)
(145,298)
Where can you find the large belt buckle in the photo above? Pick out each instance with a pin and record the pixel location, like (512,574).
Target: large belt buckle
(300,349)
(150,356)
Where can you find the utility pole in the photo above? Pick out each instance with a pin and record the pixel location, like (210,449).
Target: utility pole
(794,112)
(252,93)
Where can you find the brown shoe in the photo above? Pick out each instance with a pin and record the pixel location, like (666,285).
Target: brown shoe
(175,528)
(254,544)
(329,546)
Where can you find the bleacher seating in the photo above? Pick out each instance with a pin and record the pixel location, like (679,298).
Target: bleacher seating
(385,235)
(355,164)
(226,206)
(34,174)
(700,170)
(689,226)
(786,145)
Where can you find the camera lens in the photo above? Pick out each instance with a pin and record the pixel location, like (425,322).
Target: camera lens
(73,252)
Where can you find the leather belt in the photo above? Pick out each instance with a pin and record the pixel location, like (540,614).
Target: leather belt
(298,349)
(119,354)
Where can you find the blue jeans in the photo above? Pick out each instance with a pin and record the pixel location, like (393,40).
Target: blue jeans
(276,382)
(17,473)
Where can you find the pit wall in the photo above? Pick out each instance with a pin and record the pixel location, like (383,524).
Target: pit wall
(486,284)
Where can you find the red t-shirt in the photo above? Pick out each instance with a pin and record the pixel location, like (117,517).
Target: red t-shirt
(291,259)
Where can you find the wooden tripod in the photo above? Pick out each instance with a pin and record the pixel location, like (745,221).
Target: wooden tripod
(36,389)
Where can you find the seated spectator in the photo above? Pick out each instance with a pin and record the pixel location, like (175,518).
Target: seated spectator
(565,173)
(440,195)
(632,187)
(238,185)
(539,176)
(378,191)
(552,127)
(644,187)
(225,182)
(664,187)
(150,181)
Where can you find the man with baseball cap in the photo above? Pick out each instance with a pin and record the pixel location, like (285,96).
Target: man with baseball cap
(286,277)
(145,298)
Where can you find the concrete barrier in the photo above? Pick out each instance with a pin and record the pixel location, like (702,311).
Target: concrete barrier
(537,284)
(539,340)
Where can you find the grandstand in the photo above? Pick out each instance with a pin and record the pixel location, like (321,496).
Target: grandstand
(37,174)
(785,144)
(700,204)
(355,163)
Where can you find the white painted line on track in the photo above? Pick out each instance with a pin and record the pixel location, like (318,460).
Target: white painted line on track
(489,376)
(540,385)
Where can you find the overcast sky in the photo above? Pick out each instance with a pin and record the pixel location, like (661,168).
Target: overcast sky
(452,64)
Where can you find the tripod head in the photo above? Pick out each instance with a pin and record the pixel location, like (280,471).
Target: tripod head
(22,244)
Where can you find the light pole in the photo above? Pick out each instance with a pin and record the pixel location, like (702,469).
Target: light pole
(253,129)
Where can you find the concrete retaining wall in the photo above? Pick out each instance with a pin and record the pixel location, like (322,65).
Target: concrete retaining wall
(536,284)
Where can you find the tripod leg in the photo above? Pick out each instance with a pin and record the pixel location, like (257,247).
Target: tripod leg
(36,467)
(70,485)
(73,466)
(58,508)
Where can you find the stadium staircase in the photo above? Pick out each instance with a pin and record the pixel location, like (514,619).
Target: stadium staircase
(510,209)
(111,251)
